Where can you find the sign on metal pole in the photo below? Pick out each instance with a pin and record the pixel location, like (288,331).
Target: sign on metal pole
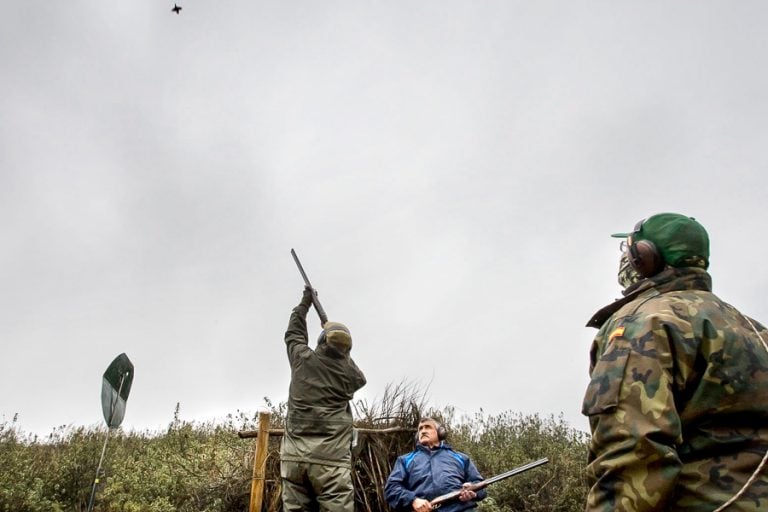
(115,387)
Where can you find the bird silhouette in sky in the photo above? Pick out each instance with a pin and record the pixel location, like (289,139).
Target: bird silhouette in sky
(176,9)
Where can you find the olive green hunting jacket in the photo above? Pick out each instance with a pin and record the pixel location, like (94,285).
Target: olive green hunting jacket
(319,417)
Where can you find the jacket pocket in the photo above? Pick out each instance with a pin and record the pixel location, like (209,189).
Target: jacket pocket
(607,377)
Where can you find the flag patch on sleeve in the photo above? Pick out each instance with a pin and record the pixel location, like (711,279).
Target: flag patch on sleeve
(617,332)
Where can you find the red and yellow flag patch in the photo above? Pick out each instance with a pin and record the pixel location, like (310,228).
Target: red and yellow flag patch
(617,332)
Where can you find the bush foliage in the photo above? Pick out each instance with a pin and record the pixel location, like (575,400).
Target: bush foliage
(207,467)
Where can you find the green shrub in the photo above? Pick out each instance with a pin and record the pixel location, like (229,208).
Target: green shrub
(502,442)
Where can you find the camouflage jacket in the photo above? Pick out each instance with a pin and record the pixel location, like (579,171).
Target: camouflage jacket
(319,418)
(678,400)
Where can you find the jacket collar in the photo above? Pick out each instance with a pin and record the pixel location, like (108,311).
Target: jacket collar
(668,280)
(442,446)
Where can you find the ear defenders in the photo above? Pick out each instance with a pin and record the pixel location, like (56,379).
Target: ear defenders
(643,255)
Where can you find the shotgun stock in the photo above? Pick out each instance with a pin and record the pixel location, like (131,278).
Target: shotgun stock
(485,483)
(315,300)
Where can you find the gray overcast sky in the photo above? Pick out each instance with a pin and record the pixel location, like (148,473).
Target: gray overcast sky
(448,171)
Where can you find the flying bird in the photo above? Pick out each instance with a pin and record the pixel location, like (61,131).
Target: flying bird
(176,9)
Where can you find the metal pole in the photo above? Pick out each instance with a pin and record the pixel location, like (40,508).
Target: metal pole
(98,472)
(104,448)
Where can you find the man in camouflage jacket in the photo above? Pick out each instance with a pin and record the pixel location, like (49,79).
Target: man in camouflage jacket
(678,398)
(315,455)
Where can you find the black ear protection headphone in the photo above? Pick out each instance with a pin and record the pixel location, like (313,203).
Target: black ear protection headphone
(643,255)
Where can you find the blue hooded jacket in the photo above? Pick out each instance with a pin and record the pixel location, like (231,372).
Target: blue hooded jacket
(428,473)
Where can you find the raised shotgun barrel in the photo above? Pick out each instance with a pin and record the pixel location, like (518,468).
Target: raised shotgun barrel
(315,300)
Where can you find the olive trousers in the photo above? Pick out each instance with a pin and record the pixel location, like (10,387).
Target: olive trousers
(316,487)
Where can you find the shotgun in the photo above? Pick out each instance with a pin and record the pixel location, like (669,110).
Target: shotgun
(485,483)
(315,300)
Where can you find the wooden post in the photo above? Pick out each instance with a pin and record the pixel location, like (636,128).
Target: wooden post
(260,463)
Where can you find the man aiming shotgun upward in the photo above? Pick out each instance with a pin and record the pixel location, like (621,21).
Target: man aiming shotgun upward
(315,455)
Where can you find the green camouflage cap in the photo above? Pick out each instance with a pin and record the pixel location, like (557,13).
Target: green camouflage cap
(337,335)
(681,240)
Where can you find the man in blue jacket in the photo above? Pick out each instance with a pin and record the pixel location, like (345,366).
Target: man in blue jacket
(431,470)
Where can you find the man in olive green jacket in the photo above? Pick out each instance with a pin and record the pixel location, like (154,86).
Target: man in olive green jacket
(315,456)
(678,398)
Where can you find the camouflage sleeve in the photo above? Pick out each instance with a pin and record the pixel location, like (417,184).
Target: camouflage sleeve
(633,464)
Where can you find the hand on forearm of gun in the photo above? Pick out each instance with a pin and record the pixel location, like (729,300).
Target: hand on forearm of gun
(307,297)
(467,494)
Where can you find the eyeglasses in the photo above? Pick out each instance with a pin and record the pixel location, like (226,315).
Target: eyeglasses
(624,245)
